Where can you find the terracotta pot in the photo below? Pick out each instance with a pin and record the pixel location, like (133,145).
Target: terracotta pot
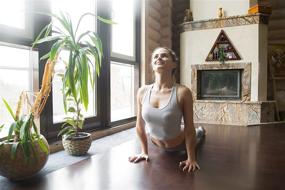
(19,168)
(77,145)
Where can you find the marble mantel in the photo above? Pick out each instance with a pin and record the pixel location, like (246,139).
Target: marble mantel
(225,22)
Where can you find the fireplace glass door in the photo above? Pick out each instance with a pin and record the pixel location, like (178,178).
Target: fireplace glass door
(219,84)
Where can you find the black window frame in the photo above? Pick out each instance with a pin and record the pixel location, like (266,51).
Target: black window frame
(102,119)
(39,21)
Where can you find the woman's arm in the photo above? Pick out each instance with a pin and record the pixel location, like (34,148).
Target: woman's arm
(190,134)
(140,129)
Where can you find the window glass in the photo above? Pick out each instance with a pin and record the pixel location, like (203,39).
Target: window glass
(75,9)
(16,75)
(123,31)
(58,110)
(122,91)
(12,13)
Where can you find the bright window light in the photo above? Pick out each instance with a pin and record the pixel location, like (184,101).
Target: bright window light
(12,13)
(123,32)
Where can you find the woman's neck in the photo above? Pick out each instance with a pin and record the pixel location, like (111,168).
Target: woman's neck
(162,82)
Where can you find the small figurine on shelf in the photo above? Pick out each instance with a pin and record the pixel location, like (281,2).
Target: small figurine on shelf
(222,55)
(187,16)
(221,13)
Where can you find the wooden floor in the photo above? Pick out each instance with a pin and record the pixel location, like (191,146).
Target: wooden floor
(231,158)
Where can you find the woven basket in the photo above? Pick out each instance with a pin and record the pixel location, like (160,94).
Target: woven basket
(78,145)
(18,168)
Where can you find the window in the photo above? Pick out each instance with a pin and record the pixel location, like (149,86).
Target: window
(16,24)
(123,60)
(123,33)
(18,71)
(21,69)
(122,91)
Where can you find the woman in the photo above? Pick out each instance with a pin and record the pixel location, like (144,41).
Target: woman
(161,107)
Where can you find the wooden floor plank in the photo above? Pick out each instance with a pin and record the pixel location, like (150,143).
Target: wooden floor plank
(235,158)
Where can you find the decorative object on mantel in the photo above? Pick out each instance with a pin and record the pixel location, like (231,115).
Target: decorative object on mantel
(221,13)
(188,16)
(223,50)
(260,8)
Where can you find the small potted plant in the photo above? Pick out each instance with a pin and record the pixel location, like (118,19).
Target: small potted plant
(25,151)
(85,58)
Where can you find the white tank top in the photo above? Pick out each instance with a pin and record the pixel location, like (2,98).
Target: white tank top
(163,123)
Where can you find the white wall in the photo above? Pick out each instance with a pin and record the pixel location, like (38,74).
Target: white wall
(208,9)
(247,40)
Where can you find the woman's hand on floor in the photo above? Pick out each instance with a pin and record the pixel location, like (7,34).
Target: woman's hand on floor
(189,165)
(139,157)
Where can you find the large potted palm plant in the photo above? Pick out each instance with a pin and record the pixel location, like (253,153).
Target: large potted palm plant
(25,151)
(84,62)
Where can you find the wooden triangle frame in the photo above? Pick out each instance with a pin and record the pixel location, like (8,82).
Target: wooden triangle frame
(223,49)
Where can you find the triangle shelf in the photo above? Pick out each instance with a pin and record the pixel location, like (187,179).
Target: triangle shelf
(223,49)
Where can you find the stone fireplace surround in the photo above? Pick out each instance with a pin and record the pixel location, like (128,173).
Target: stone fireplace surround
(230,112)
(248,34)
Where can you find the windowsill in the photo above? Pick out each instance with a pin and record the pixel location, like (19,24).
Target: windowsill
(57,146)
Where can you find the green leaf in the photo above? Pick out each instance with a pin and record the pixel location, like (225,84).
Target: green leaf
(65,130)
(46,29)
(55,49)
(71,75)
(11,130)
(80,123)
(35,128)
(70,122)
(84,82)
(71,109)
(82,35)
(106,21)
(9,109)
(14,150)
(1,127)
(26,150)
(24,131)
(34,153)
(43,146)
(46,56)
(98,44)
(72,132)
(94,53)
(48,39)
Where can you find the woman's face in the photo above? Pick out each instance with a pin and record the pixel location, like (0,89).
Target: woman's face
(162,61)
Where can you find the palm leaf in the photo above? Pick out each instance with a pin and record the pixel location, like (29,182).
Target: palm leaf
(46,29)
(48,39)
(1,127)
(106,21)
(65,130)
(26,150)
(43,146)
(84,82)
(24,129)
(14,150)
(9,109)
(35,128)
(71,75)
(11,130)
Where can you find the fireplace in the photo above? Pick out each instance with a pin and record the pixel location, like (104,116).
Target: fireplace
(219,84)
